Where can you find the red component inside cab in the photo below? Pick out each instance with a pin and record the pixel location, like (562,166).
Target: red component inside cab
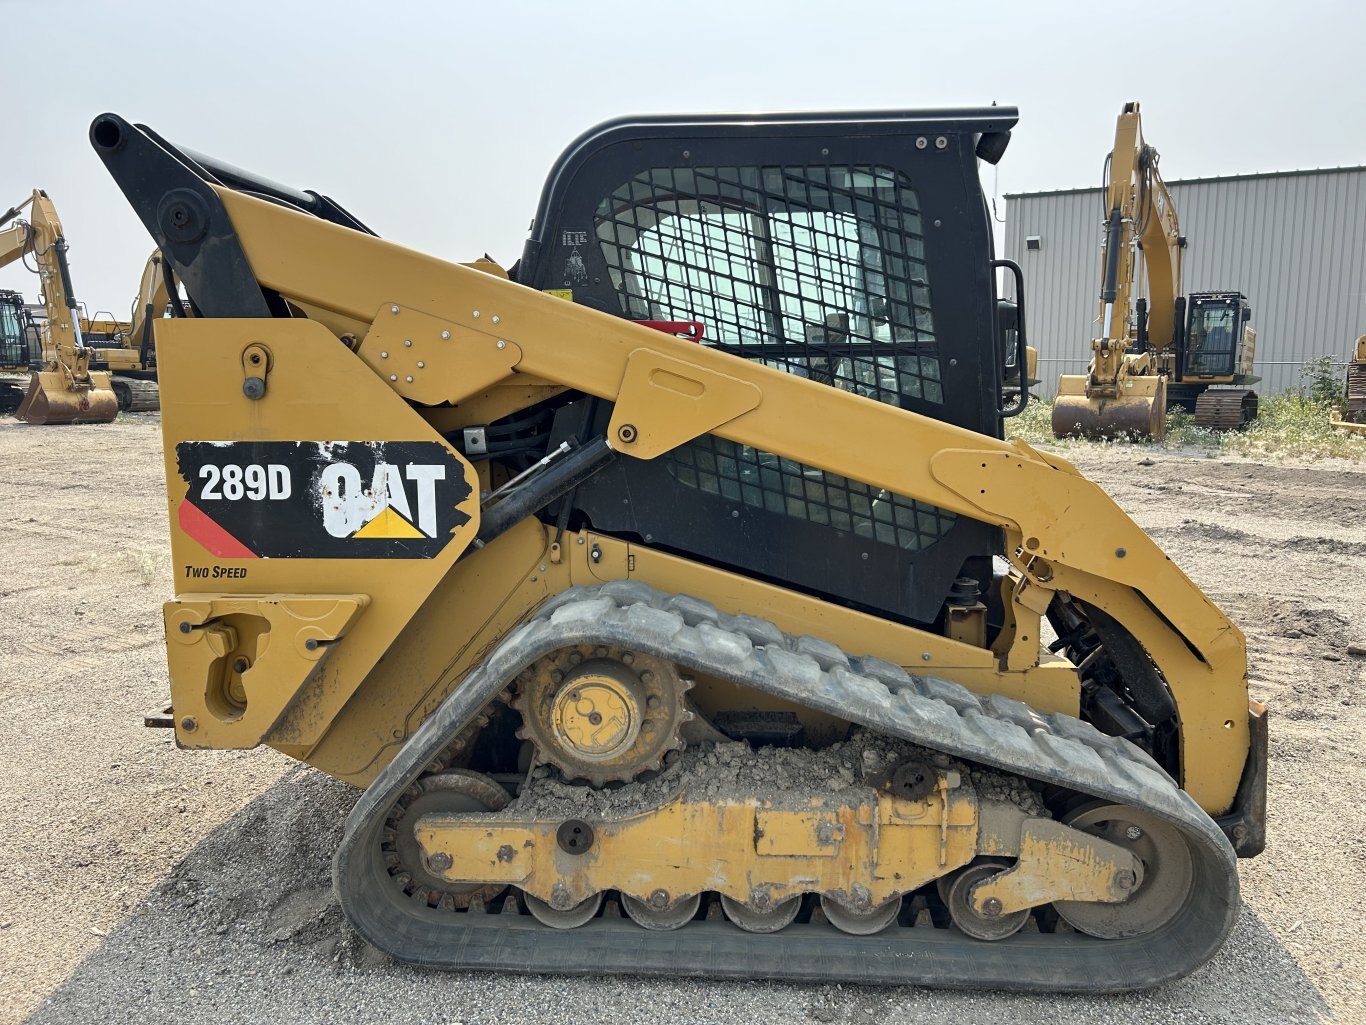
(688,330)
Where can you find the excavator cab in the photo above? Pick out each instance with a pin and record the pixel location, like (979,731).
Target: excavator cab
(15,352)
(18,350)
(1214,340)
(1218,348)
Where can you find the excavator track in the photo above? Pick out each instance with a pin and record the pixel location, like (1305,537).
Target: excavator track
(1225,409)
(136,395)
(997,732)
(1356,393)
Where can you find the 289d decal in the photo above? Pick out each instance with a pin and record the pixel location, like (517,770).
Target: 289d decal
(321,500)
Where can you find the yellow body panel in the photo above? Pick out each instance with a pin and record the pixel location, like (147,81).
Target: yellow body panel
(252,656)
(310,383)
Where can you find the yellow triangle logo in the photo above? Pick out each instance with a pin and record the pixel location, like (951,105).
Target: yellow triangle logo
(389,524)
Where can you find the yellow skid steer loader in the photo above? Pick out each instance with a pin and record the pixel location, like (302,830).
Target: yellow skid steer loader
(672,595)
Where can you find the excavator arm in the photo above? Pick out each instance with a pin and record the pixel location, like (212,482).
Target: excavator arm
(1123,392)
(66,390)
(151,300)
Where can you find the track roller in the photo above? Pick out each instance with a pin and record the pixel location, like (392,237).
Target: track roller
(771,919)
(860,923)
(665,917)
(980,925)
(570,918)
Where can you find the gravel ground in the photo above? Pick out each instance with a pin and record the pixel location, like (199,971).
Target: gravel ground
(142,884)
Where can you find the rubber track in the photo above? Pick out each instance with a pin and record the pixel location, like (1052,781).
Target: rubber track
(752,652)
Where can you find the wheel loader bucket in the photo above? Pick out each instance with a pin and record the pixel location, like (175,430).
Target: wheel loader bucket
(1140,413)
(51,401)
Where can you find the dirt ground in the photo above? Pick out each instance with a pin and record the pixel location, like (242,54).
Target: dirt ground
(138,883)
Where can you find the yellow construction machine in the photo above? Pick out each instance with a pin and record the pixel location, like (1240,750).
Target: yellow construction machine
(673,595)
(1156,351)
(61,388)
(1351,415)
(126,350)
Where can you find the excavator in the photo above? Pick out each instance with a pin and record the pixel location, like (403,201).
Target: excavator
(111,344)
(62,389)
(672,596)
(126,351)
(1156,351)
(1350,415)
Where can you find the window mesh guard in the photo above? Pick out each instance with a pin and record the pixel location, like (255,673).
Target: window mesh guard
(818,271)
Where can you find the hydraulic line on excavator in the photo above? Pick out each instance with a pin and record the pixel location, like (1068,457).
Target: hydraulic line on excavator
(720,657)
(65,390)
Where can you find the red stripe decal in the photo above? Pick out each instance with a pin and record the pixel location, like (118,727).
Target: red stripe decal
(217,541)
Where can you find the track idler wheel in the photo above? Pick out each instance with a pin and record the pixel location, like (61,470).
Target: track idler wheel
(442,793)
(983,925)
(1167,873)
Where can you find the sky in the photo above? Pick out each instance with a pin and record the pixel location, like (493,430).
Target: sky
(436,122)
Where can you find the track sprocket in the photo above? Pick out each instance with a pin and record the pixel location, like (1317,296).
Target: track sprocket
(602,713)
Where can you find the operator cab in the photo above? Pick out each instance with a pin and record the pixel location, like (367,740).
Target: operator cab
(1214,338)
(852,250)
(18,337)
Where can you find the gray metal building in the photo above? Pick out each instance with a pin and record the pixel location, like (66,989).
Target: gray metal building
(1294,242)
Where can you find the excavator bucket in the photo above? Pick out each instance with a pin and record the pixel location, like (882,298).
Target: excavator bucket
(50,400)
(1139,413)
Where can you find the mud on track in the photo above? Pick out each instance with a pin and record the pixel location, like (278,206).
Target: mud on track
(145,884)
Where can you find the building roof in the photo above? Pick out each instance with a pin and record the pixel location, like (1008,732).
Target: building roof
(1199,181)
